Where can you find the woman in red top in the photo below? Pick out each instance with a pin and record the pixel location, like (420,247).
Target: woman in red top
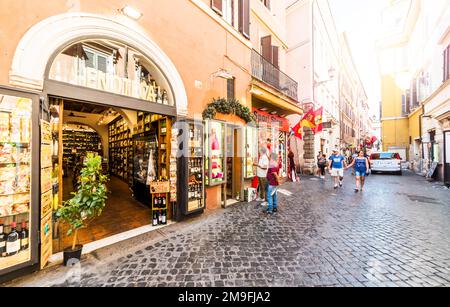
(273,181)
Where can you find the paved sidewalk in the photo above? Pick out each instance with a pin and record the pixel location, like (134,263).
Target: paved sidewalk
(396,233)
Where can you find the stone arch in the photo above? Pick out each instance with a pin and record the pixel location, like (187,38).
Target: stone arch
(44,40)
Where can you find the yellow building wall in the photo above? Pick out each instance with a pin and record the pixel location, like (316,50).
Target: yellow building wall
(414,124)
(391,97)
(395,133)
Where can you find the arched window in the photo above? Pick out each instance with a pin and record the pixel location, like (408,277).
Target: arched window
(113,67)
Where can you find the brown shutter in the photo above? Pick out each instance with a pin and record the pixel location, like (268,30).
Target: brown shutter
(217,5)
(275,56)
(266,48)
(244,17)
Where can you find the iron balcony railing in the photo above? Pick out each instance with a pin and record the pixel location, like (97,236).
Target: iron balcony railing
(266,72)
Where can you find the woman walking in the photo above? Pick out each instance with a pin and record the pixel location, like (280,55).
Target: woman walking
(361,165)
(274,181)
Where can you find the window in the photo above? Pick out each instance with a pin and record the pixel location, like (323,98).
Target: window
(446,64)
(266,3)
(226,9)
(231,94)
(97,60)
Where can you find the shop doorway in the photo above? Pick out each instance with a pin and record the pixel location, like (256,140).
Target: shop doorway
(134,147)
(234,161)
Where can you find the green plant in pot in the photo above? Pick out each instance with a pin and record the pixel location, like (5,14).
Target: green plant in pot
(88,203)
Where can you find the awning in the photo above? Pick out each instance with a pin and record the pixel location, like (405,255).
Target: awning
(263,98)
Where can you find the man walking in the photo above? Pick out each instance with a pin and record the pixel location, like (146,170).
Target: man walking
(337,165)
(261,171)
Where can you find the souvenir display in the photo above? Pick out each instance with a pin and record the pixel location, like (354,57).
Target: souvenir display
(215,153)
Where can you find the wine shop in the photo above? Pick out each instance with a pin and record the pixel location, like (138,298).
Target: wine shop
(114,98)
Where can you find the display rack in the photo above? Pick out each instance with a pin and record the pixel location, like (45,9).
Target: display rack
(120,150)
(78,142)
(192,166)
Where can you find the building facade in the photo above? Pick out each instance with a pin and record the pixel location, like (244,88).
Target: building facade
(137,88)
(414,65)
(320,59)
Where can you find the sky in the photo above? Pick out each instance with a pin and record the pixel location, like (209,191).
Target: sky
(361,19)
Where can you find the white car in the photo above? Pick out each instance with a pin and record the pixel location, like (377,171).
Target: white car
(389,162)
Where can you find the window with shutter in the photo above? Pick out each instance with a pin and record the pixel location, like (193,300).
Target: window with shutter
(275,56)
(217,5)
(266,48)
(244,18)
(231,93)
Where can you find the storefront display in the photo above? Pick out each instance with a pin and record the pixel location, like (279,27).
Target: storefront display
(120,150)
(215,152)
(15,180)
(191,165)
(251,151)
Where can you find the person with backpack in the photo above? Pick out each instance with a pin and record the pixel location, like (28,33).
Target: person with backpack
(361,165)
(274,181)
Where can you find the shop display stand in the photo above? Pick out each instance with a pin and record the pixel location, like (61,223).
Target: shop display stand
(77,143)
(191,169)
(120,149)
(160,208)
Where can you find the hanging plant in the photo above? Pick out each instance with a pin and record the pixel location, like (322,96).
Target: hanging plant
(228,106)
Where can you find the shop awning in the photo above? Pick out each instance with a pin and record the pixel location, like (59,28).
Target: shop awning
(263,98)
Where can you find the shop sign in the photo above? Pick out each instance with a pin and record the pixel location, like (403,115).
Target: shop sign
(264,118)
(159,187)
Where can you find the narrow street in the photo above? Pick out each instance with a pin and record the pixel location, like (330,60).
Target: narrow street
(395,234)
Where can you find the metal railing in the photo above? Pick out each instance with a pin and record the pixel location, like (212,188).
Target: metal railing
(266,72)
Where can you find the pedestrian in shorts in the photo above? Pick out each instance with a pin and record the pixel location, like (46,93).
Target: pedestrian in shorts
(337,165)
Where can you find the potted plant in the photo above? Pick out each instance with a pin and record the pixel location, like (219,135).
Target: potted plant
(87,203)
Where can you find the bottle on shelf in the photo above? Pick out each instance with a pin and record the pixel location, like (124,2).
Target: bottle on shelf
(12,241)
(160,216)
(155,219)
(2,241)
(24,237)
(164,217)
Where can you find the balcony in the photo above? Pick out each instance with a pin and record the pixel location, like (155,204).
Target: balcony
(266,72)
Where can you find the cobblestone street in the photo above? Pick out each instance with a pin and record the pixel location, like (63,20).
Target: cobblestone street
(395,234)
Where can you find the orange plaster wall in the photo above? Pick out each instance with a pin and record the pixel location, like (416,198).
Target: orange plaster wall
(197,45)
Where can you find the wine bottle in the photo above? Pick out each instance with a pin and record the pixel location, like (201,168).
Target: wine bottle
(160,218)
(24,237)
(12,241)
(164,218)
(2,241)
(155,219)
(164,202)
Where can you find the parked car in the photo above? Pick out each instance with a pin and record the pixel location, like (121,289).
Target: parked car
(386,162)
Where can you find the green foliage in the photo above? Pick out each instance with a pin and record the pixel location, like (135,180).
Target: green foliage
(228,106)
(90,199)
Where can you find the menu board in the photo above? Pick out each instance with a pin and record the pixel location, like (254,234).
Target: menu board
(46,192)
(159,187)
(46,132)
(46,179)
(46,203)
(46,155)
(173,165)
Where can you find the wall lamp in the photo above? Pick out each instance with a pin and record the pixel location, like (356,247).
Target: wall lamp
(131,12)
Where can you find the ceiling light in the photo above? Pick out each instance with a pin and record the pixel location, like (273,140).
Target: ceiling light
(131,12)
(264,109)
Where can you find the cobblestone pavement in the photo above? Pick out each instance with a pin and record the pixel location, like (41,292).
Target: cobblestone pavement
(397,233)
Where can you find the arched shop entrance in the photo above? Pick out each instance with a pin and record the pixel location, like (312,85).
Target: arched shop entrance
(89,73)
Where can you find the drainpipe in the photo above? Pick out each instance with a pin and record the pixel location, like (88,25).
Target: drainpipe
(421,139)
